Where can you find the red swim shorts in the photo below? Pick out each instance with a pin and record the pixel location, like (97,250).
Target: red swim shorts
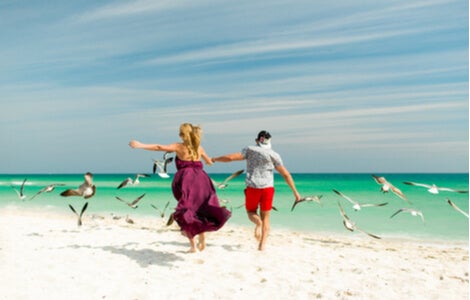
(259,197)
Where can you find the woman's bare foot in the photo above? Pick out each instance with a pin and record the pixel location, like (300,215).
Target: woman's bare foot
(192,248)
(202,242)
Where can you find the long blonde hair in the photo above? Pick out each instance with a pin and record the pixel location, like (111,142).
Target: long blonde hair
(191,136)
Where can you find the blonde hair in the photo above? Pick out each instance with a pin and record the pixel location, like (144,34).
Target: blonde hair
(191,136)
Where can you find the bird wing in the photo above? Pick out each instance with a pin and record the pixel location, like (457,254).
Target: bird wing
(417,184)
(399,193)
(373,204)
(124,183)
(165,164)
(235,174)
(137,200)
(73,209)
(296,202)
(379,179)
(83,209)
(122,200)
(70,192)
(345,197)
(397,212)
(22,187)
(457,208)
(452,190)
(368,233)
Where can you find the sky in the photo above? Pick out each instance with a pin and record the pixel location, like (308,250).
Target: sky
(342,86)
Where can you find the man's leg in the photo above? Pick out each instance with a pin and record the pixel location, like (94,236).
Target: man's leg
(265,226)
(253,216)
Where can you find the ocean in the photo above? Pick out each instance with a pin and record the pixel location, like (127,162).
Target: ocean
(441,221)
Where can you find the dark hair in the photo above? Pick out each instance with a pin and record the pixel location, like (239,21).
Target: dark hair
(265,134)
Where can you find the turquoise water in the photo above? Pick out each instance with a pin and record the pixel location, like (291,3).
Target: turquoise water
(442,222)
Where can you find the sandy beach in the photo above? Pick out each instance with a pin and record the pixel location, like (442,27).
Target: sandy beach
(47,256)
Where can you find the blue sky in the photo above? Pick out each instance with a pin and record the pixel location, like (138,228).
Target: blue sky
(343,86)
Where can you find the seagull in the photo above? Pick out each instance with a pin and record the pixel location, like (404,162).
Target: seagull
(20,193)
(162,165)
(81,212)
(132,204)
(308,198)
(457,208)
(387,186)
(85,190)
(357,205)
(129,220)
(433,189)
(412,211)
(47,189)
(224,184)
(162,212)
(350,225)
(129,181)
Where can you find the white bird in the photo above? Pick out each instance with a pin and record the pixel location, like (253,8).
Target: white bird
(357,205)
(129,181)
(387,186)
(224,184)
(412,211)
(81,213)
(47,189)
(162,212)
(20,193)
(85,190)
(350,225)
(433,189)
(160,167)
(307,198)
(132,204)
(457,208)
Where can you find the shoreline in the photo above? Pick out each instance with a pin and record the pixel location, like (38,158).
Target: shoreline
(48,255)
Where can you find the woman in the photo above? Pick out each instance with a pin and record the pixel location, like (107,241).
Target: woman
(198,208)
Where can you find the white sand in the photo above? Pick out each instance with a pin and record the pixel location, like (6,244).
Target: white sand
(50,257)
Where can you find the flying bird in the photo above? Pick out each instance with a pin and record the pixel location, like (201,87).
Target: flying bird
(160,167)
(457,208)
(224,184)
(306,199)
(85,190)
(129,181)
(132,204)
(20,193)
(387,186)
(433,189)
(162,212)
(47,189)
(350,225)
(357,205)
(81,213)
(412,211)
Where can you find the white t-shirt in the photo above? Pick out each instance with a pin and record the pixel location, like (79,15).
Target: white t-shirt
(260,163)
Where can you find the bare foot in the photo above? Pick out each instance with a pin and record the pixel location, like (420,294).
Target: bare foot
(202,242)
(192,248)
(258,232)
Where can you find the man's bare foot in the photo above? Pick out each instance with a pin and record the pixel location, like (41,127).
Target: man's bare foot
(192,250)
(202,242)
(258,232)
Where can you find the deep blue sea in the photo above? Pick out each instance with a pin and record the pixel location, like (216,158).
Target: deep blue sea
(442,222)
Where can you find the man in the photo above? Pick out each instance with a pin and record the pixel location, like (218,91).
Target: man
(261,160)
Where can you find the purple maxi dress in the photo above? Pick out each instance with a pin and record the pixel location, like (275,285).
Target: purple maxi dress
(198,208)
